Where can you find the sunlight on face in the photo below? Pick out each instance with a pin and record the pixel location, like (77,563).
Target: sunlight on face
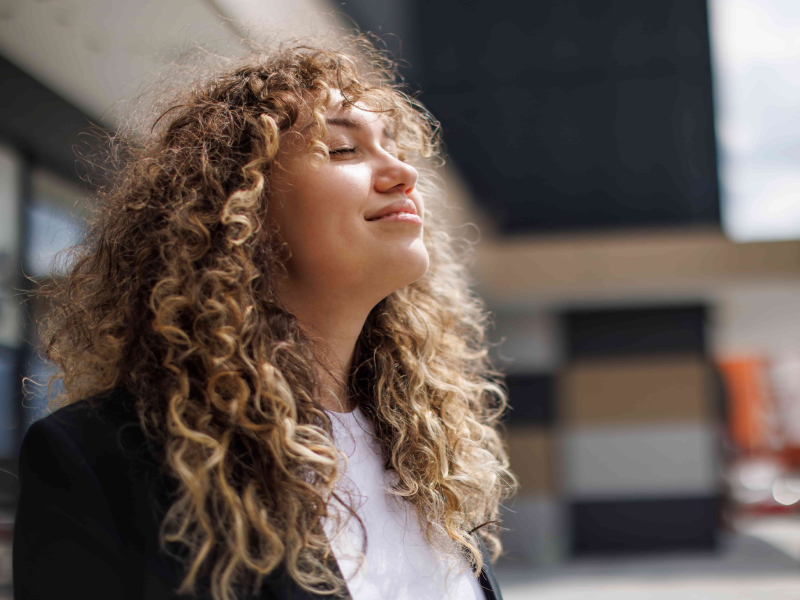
(354,223)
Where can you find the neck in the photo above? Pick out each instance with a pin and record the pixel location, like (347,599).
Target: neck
(333,325)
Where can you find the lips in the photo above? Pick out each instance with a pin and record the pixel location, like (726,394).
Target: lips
(396,208)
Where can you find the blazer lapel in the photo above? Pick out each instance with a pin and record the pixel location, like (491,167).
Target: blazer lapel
(487,578)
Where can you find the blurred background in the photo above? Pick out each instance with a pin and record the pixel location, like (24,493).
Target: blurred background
(633,169)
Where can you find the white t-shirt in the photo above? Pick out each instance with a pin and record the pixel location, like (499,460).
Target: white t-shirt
(400,563)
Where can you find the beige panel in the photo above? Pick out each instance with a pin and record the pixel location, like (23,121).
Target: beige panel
(636,390)
(530,453)
(543,269)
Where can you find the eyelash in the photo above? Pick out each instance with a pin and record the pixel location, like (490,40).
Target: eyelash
(353,149)
(342,150)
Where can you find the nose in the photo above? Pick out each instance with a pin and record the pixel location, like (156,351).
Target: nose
(394,175)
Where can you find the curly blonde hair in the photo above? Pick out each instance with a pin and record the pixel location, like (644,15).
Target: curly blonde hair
(171,297)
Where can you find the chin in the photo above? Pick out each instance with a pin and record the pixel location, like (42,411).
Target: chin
(416,263)
(400,268)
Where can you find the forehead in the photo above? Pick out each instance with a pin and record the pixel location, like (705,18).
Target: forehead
(361,112)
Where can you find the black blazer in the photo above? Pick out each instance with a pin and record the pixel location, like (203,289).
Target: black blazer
(91,501)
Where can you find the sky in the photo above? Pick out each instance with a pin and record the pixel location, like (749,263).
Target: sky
(756,62)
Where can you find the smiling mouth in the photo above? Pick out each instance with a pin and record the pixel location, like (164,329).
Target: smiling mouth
(399,217)
(391,214)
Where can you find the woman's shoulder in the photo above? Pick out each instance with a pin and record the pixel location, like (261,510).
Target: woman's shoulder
(115,405)
(101,426)
(89,479)
(100,436)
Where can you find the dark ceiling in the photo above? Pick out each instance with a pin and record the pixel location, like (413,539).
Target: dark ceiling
(578,114)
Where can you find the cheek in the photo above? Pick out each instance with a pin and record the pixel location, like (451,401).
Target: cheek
(331,206)
(321,214)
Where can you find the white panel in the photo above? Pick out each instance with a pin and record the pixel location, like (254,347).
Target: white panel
(56,222)
(753,320)
(535,530)
(300,17)
(639,461)
(10,325)
(9,201)
(528,341)
(97,53)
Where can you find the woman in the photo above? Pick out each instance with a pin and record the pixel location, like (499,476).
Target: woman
(274,376)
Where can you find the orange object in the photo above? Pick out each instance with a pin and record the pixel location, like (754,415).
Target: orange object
(748,402)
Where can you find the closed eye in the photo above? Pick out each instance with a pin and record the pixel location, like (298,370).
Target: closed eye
(341,151)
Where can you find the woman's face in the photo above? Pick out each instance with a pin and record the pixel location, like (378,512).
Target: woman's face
(353,224)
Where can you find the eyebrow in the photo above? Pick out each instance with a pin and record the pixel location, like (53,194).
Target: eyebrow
(353,124)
